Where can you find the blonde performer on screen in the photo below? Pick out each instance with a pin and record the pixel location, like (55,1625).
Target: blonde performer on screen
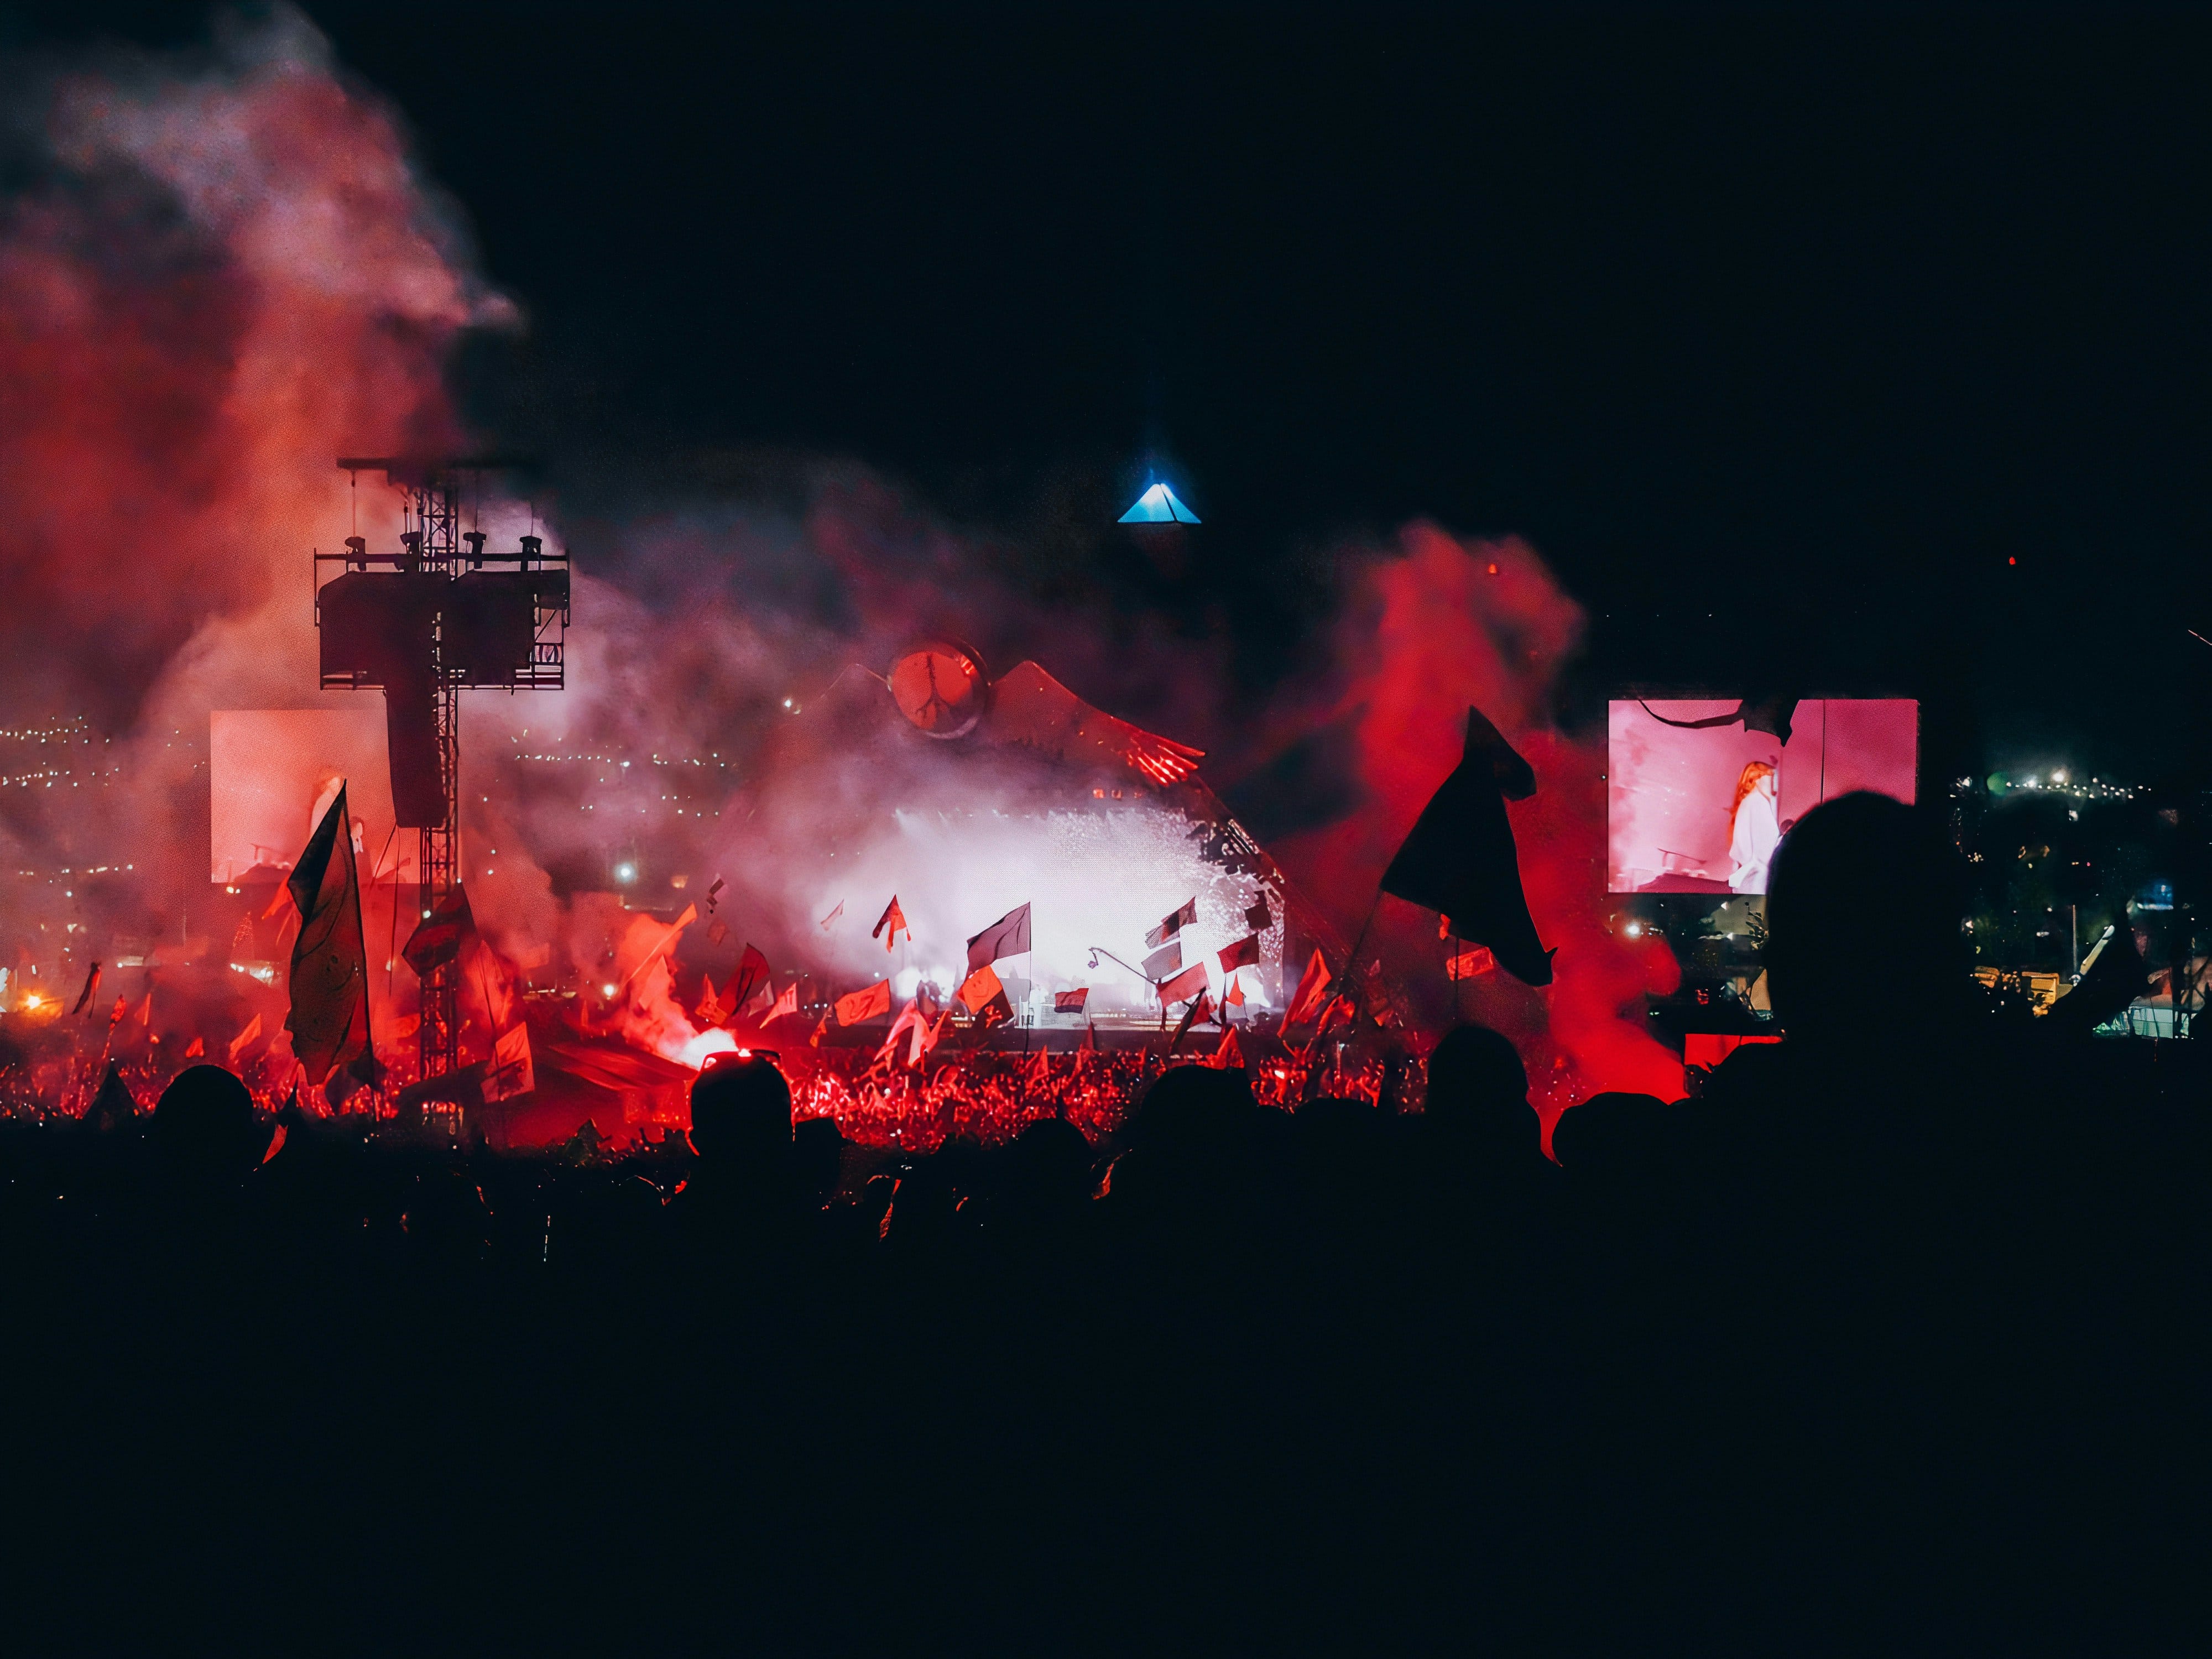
(1754,828)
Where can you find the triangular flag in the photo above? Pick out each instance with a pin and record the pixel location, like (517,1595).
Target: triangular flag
(329,1021)
(890,923)
(1191,1016)
(1229,1057)
(146,1010)
(820,1031)
(1234,996)
(1009,936)
(710,1012)
(245,1039)
(1089,1043)
(1158,505)
(827,921)
(1313,987)
(197,1048)
(1245,953)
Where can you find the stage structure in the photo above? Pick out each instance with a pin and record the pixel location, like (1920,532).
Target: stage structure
(440,614)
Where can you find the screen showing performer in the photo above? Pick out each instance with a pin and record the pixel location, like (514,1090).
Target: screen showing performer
(1700,791)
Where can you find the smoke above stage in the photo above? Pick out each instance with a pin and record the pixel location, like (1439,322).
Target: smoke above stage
(227,270)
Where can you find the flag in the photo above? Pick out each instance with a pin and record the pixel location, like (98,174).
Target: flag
(1191,982)
(282,898)
(758,1004)
(1229,1057)
(1244,953)
(753,975)
(785,1004)
(1258,918)
(978,988)
(717,931)
(1234,996)
(1038,1072)
(1164,963)
(196,1049)
(1468,964)
(888,925)
(245,1039)
(511,1071)
(116,1015)
(1459,858)
(713,892)
(1312,986)
(146,1010)
(329,1021)
(91,984)
(710,1012)
(913,1024)
(1009,936)
(820,1031)
(1191,1016)
(831,917)
(1071,1002)
(1089,1043)
(1172,923)
(870,1003)
(438,939)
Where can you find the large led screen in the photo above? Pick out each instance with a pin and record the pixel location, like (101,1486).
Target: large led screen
(273,772)
(1698,795)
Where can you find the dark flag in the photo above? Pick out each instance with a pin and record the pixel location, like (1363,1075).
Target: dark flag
(1071,1002)
(1173,923)
(1201,1005)
(1009,936)
(751,976)
(894,918)
(1166,961)
(1243,954)
(438,937)
(84,997)
(329,1021)
(1460,859)
(1258,918)
(112,1106)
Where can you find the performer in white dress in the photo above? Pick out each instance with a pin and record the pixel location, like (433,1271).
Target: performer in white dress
(1755,829)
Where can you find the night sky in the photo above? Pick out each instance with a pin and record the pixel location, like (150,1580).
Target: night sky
(1780,335)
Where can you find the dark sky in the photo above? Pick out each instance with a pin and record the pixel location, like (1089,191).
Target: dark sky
(1807,322)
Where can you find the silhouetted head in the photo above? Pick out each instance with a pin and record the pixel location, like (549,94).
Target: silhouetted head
(1049,1163)
(1862,911)
(203,1125)
(1192,1127)
(741,1113)
(1477,1081)
(1612,1135)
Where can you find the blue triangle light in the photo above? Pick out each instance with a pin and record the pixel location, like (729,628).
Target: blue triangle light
(1158,505)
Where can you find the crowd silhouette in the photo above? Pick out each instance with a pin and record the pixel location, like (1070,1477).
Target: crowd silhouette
(1888,1333)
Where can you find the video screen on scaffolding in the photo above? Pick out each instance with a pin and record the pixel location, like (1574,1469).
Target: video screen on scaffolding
(1699,792)
(273,772)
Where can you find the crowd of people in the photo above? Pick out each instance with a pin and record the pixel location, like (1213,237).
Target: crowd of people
(1890,1334)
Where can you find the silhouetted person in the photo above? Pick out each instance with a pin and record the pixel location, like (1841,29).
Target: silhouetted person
(206,1138)
(738,1191)
(1478,1112)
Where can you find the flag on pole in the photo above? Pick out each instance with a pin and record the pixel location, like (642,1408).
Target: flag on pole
(116,1015)
(828,921)
(1259,919)
(820,1031)
(283,898)
(1245,953)
(870,1004)
(757,1004)
(913,1025)
(511,1071)
(245,1039)
(709,1013)
(1460,860)
(1038,1072)
(84,997)
(1164,963)
(1174,922)
(785,1004)
(1234,996)
(1191,1016)
(1191,982)
(1307,1002)
(146,1010)
(1089,1043)
(1229,1057)
(438,937)
(196,1049)
(1071,1002)
(1009,936)
(713,892)
(978,988)
(329,984)
(890,923)
(752,974)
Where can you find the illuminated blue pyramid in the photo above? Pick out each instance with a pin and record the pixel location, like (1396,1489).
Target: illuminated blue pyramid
(1159,505)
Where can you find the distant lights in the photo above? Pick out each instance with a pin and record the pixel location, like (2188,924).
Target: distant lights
(625,872)
(606,990)
(1634,930)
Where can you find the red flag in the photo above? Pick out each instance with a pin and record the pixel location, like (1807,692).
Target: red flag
(1173,923)
(831,917)
(1089,1043)
(1243,954)
(146,1010)
(820,1031)
(91,984)
(1229,1057)
(1071,1002)
(1191,1016)
(1191,982)
(1468,963)
(1258,918)
(709,1013)
(117,1014)
(195,1049)
(717,931)
(282,898)
(892,918)
(870,1003)
(245,1039)
(1234,996)
(438,939)
(511,1071)
(914,1024)
(1313,987)
(978,988)
(1009,936)
(785,1004)
(752,974)
(1038,1072)
(329,1021)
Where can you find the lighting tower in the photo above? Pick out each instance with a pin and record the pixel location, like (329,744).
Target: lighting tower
(439,614)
